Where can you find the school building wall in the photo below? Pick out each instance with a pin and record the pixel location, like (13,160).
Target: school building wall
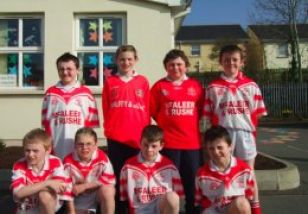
(149,26)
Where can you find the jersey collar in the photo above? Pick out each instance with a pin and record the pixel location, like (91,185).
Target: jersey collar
(68,87)
(76,158)
(215,168)
(177,82)
(156,160)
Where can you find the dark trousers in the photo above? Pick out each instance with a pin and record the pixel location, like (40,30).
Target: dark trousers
(118,153)
(188,163)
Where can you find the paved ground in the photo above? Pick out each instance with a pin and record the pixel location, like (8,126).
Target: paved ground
(287,142)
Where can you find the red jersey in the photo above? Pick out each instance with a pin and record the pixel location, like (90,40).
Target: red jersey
(125,109)
(234,104)
(215,190)
(141,184)
(99,170)
(64,111)
(177,109)
(24,175)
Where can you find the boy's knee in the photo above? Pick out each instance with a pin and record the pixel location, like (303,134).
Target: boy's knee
(171,200)
(240,205)
(106,192)
(46,198)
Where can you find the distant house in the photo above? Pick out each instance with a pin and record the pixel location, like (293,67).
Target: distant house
(198,43)
(274,40)
(34,33)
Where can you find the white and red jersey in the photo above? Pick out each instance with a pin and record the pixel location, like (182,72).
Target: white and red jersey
(126,108)
(214,190)
(177,110)
(64,111)
(24,175)
(98,170)
(141,184)
(234,104)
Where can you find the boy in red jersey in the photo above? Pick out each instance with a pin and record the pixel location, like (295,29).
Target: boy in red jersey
(225,184)
(125,109)
(39,181)
(67,106)
(92,175)
(149,181)
(176,105)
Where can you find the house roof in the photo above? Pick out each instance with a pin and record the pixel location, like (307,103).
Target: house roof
(172,2)
(278,32)
(210,32)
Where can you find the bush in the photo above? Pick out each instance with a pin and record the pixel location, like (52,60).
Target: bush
(2,145)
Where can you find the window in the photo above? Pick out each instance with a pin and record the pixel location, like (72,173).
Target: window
(282,50)
(195,50)
(21,53)
(98,37)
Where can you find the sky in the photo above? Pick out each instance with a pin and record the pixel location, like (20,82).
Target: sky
(213,12)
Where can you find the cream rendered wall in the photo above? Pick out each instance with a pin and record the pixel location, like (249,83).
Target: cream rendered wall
(274,62)
(149,28)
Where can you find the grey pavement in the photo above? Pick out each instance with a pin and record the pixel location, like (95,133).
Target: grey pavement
(287,142)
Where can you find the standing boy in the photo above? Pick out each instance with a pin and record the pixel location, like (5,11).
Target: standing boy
(149,181)
(176,105)
(39,180)
(92,175)
(67,106)
(235,102)
(225,184)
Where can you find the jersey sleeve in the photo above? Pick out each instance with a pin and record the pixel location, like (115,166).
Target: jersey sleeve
(105,100)
(123,184)
(200,199)
(18,178)
(45,121)
(250,187)
(92,120)
(154,101)
(107,177)
(177,183)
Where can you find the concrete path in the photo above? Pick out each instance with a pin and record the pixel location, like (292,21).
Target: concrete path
(290,143)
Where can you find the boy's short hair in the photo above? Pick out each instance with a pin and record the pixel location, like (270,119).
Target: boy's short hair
(175,53)
(217,132)
(152,133)
(66,57)
(230,49)
(35,136)
(125,48)
(85,131)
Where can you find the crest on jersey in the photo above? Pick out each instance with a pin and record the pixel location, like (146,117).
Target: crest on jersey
(220,92)
(214,185)
(78,102)
(136,176)
(191,91)
(54,101)
(164,92)
(139,93)
(114,93)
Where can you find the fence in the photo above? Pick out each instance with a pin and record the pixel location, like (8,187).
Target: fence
(286,100)
(283,100)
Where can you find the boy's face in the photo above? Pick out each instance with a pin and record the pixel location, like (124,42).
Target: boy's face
(219,151)
(85,146)
(67,72)
(35,154)
(126,61)
(231,62)
(176,68)
(149,150)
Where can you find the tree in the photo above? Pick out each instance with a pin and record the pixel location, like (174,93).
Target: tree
(291,13)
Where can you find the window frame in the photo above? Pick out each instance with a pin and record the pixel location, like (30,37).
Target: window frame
(100,49)
(286,53)
(193,49)
(21,49)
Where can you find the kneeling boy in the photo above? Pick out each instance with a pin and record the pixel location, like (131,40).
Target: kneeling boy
(150,182)
(224,184)
(92,175)
(39,181)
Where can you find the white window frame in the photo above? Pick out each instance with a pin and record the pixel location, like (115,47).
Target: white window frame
(283,47)
(100,49)
(20,50)
(195,48)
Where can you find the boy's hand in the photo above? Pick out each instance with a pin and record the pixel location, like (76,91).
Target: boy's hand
(57,186)
(78,189)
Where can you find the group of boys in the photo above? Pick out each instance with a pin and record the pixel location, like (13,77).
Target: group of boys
(148,181)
